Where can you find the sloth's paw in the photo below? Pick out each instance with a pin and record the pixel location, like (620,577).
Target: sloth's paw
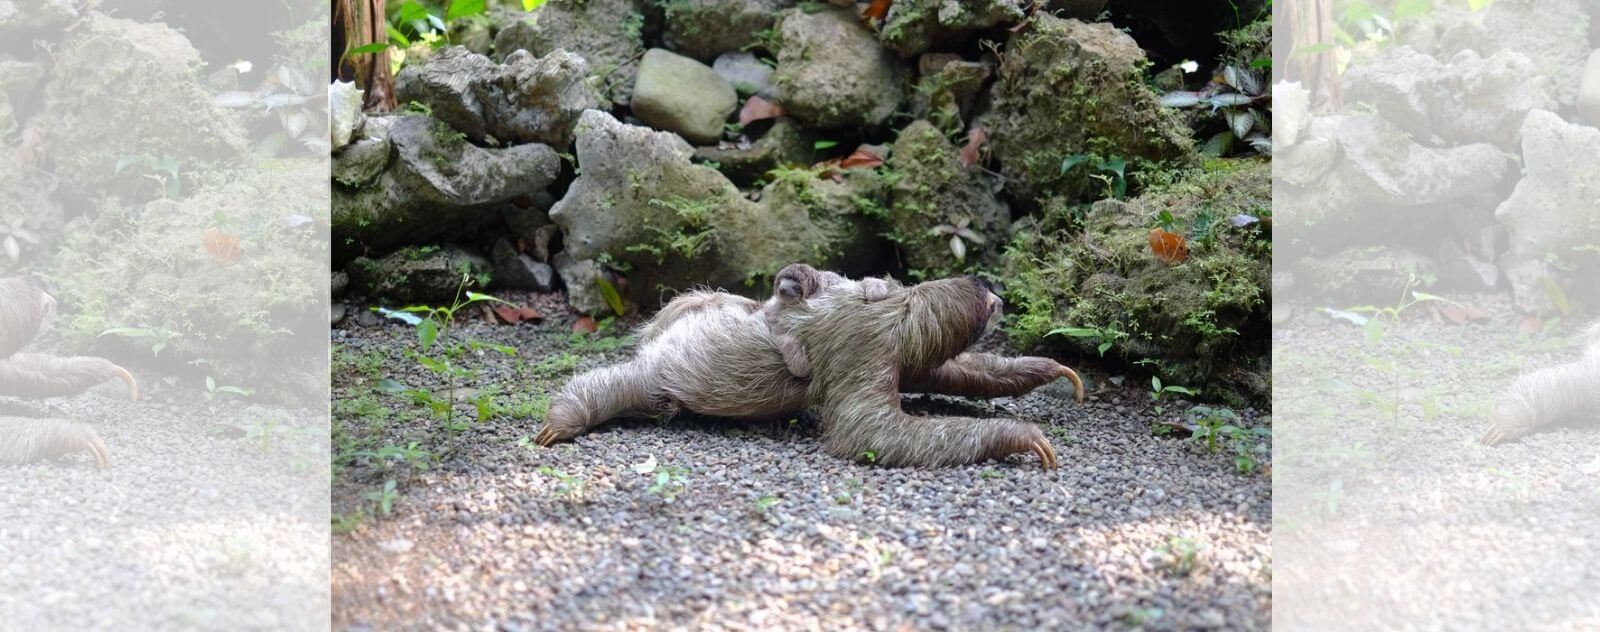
(554,433)
(74,438)
(1503,433)
(1025,438)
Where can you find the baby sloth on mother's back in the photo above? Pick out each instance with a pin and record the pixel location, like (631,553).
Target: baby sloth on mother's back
(841,348)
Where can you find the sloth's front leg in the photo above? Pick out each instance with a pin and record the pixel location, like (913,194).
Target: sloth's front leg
(25,440)
(597,396)
(989,375)
(34,375)
(863,425)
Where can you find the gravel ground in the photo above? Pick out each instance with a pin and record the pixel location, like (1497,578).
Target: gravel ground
(760,529)
(194,525)
(1412,524)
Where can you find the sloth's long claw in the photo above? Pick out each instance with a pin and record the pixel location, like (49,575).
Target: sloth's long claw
(133,385)
(97,448)
(1047,456)
(1077,382)
(545,437)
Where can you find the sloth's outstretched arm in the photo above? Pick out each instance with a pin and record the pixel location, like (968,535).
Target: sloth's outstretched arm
(26,440)
(869,424)
(1544,396)
(36,375)
(989,375)
(594,397)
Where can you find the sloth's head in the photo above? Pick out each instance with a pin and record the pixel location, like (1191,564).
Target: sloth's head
(926,323)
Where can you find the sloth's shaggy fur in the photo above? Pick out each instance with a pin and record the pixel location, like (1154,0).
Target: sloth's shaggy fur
(1549,394)
(25,310)
(860,343)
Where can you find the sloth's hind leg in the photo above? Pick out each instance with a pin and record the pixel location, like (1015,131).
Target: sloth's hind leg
(1544,396)
(597,396)
(25,440)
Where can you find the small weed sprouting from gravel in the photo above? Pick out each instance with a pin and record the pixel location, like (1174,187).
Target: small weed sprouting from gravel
(1159,390)
(990,473)
(670,481)
(555,366)
(344,524)
(569,486)
(1216,428)
(1181,555)
(446,359)
(384,498)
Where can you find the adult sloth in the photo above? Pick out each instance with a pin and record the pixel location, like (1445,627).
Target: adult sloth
(862,343)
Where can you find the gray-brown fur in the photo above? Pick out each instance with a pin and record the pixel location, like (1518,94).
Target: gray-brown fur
(719,354)
(1549,394)
(25,311)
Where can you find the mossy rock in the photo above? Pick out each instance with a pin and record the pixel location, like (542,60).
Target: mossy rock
(1204,322)
(936,199)
(420,274)
(1070,90)
(607,33)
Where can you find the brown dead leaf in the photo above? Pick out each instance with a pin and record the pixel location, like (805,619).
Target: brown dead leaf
(1170,248)
(877,10)
(223,247)
(511,314)
(1531,325)
(972,152)
(860,158)
(585,325)
(1461,315)
(758,109)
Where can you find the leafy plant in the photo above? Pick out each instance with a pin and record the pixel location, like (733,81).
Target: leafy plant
(960,232)
(1237,98)
(437,353)
(1158,390)
(1112,171)
(668,481)
(212,390)
(1390,355)
(567,485)
(384,498)
(1103,339)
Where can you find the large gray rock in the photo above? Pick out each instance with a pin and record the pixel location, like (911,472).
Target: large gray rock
(1553,33)
(344,113)
(679,94)
(437,184)
(524,100)
(1554,213)
(1069,88)
(704,29)
(1469,99)
(914,26)
(643,207)
(582,279)
(934,197)
(517,271)
(832,73)
(419,274)
(606,33)
(119,67)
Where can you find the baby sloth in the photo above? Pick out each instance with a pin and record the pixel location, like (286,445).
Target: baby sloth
(25,311)
(844,349)
(1549,394)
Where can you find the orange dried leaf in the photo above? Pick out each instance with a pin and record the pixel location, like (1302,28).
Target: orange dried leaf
(1170,248)
(529,314)
(861,158)
(877,10)
(585,325)
(223,247)
(759,109)
(972,152)
(1531,325)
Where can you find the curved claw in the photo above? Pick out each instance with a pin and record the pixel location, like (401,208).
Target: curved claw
(1077,382)
(1047,455)
(1496,436)
(546,437)
(97,449)
(133,385)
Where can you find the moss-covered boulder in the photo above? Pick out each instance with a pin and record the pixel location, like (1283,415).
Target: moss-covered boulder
(128,104)
(1073,94)
(420,274)
(234,272)
(943,215)
(436,184)
(832,73)
(704,29)
(1203,321)
(947,90)
(606,33)
(914,26)
(642,207)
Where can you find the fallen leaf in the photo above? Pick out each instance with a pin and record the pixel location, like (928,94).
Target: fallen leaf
(223,247)
(511,314)
(972,152)
(1531,325)
(585,325)
(861,158)
(1460,314)
(1170,248)
(759,109)
(877,10)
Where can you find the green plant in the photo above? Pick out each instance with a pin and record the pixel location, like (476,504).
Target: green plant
(990,473)
(567,485)
(1112,171)
(344,524)
(1183,554)
(1103,339)
(960,232)
(1159,390)
(667,482)
(1238,100)
(1391,356)
(212,390)
(433,336)
(384,498)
